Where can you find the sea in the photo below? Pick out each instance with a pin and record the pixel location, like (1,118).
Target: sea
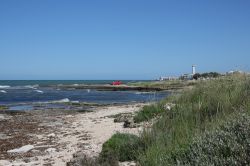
(27,92)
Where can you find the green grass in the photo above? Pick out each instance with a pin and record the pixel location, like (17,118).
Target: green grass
(208,125)
(171,84)
(195,112)
(148,112)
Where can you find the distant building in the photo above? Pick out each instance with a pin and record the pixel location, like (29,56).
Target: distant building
(235,72)
(189,76)
(193,69)
(167,78)
(186,77)
(182,77)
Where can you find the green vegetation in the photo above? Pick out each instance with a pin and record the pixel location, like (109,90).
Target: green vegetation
(228,144)
(202,109)
(207,125)
(124,147)
(206,75)
(171,84)
(148,112)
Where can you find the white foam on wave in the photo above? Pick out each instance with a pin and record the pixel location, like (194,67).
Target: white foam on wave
(66,100)
(38,91)
(75,102)
(32,86)
(4,86)
(3,91)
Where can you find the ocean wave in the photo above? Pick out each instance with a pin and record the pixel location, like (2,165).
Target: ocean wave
(66,100)
(3,91)
(4,86)
(32,86)
(38,91)
(19,87)
(75,102)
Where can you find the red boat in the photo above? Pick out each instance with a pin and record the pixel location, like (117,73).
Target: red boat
(116,83)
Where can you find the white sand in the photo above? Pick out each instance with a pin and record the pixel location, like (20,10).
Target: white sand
(71,138)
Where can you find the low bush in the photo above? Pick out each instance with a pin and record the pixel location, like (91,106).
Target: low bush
(123,147)
(228,144)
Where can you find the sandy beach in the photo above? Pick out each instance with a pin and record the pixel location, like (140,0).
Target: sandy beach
(53,137)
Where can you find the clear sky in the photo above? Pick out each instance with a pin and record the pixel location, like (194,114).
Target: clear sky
(121,39)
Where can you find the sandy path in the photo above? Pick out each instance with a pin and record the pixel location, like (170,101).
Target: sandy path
(81,132)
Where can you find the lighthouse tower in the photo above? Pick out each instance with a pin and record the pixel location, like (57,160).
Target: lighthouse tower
(193,70)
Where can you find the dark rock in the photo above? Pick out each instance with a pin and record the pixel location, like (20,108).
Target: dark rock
(129,123)
(122,118)
(83,160)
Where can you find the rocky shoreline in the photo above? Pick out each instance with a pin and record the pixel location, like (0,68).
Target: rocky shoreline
(112,87)
(53,137)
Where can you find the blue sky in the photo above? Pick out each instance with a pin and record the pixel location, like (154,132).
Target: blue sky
(121,39)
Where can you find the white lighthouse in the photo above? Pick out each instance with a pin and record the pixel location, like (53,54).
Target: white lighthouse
(193,70)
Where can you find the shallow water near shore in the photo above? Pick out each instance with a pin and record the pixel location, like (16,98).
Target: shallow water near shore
(20,96)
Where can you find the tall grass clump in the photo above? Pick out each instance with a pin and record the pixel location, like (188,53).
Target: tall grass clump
(195,112)
(148,112)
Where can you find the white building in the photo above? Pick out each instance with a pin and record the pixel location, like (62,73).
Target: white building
(167,78)
(193,69)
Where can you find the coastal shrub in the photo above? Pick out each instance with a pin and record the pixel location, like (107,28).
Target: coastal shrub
(196,111)
(124,147)
(148,112)
(228,144)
